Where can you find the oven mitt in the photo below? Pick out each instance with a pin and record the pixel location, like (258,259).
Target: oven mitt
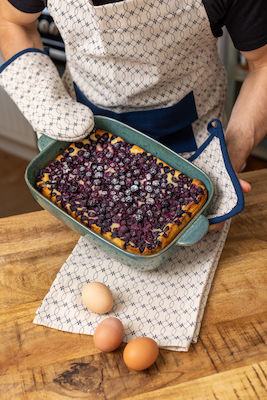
(212,157)
(32,81)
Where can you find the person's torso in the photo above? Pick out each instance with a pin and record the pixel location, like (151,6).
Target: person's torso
(139,54)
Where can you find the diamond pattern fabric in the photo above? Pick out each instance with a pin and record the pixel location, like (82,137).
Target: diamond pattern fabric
(166,304)
(33,83)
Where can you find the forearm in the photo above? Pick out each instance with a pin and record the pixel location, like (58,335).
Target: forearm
(26,36)
(248,123)
(18,30)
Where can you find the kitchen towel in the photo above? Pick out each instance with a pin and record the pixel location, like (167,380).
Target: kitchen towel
(166,304)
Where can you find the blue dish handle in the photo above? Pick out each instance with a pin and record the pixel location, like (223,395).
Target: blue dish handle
(44,141)
(195,232)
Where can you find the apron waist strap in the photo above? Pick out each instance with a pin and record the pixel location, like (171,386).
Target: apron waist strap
(171,126)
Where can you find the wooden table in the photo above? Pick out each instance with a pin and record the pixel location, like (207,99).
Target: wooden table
(228,362)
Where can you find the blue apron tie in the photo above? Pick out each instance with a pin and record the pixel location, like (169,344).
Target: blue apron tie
(171,126)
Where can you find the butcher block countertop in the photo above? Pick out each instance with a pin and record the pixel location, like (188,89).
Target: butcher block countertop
(228,361)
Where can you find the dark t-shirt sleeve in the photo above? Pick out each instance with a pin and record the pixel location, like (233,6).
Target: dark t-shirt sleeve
(28,6)
(245,20)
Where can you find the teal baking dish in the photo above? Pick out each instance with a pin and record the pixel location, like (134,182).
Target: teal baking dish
(192,233)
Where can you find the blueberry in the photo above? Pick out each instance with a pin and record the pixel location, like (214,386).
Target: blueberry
(142,248)
(136,183)
(97,182)
(117,187)
(155,183)
(73,188)
(149,213)
(116,198)
(129,174)
(102,210)
(116,145)
(139,217)
(128,192)
(99,168)
(127,161)
(134,188)
(104,193)
(91,202)
(150,201)
(88,174)
(105,136)
(148,188)
(128,199)
(99,175)
(86,154)
(109,155)
(79,145)
(165,203)
(153,171)
(114,181)
(136,172)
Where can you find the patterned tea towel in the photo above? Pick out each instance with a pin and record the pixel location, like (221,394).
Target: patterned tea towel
(166,304)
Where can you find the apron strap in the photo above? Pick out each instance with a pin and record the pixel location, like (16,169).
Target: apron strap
(171,126)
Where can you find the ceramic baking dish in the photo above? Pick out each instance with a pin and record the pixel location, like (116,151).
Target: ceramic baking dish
(192,233)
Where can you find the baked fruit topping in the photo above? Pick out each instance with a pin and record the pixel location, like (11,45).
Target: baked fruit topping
(123,193)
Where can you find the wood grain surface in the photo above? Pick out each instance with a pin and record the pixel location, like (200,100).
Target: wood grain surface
(228,361)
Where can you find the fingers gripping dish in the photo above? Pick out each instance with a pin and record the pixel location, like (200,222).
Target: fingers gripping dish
(123,193)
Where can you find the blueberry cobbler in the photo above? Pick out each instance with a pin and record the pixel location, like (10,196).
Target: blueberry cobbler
(123,193)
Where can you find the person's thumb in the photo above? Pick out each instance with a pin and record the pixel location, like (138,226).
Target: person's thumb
(246,187)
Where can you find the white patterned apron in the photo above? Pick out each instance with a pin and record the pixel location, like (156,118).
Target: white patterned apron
(142,54)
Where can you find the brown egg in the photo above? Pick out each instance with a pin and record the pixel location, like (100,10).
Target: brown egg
(140,353)
(97,297)
(109,334)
